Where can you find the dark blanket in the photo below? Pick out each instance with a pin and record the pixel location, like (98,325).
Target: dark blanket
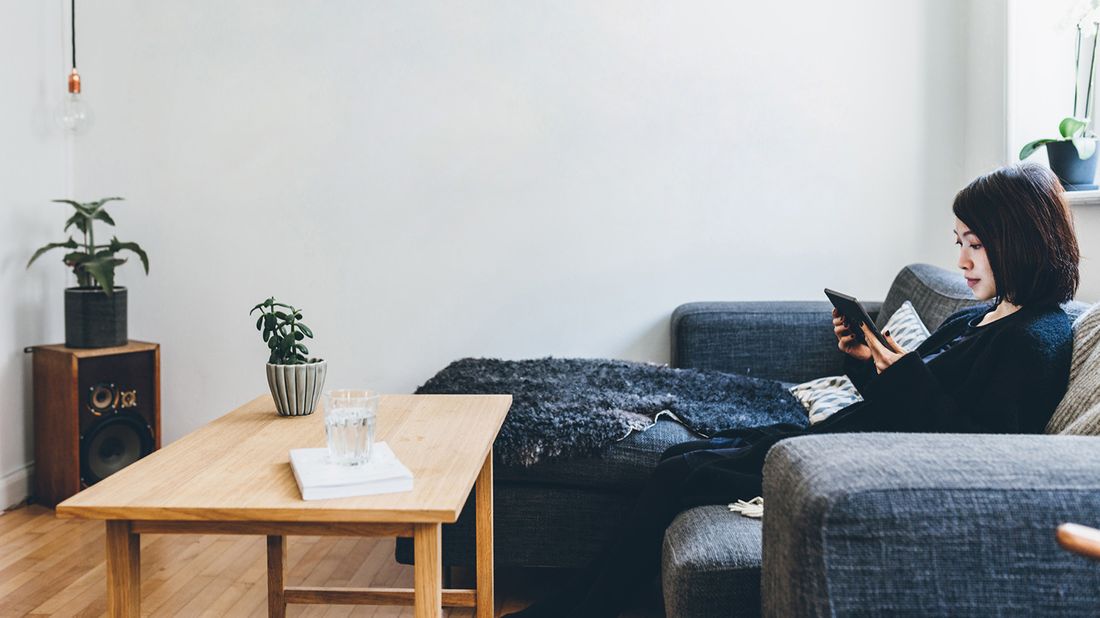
(578,407)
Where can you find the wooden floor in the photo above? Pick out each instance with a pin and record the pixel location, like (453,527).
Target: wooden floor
(54,567)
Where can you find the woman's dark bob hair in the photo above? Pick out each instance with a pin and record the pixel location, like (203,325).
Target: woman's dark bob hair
(1021,216)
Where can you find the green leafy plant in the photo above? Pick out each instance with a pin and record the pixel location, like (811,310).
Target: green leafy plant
(283,331)
(91,262)
(1072,130)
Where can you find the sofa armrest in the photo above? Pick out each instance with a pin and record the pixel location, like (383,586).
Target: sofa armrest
(782,340)
(928,524)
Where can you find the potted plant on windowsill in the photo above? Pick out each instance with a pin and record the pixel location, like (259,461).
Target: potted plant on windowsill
(295,380)
(95,310)
(1073,156)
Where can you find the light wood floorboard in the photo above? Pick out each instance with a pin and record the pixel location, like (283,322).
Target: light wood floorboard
(55,567)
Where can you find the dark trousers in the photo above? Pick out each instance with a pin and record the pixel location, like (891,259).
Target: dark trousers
(719,470)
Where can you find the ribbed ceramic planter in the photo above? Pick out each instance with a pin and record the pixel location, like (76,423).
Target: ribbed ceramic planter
(296,388)
(93,319)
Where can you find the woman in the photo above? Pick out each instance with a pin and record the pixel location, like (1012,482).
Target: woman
(1001,367)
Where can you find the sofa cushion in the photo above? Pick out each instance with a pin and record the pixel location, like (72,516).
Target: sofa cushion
(888,524)
(710,564)
(906,327)
(826,396)
(781,340)
(1079,410)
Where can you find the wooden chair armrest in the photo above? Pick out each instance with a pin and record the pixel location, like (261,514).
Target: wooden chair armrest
(1079,539)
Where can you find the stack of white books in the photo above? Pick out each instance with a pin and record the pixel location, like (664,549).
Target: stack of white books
(318,479)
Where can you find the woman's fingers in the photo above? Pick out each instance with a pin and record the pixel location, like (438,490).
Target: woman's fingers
(846,343)
(837,318)
(877,348)
(877,352)
(872,341)
(882,355)
(893,344)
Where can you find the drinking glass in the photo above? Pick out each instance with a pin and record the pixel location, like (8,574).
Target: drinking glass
(349,425)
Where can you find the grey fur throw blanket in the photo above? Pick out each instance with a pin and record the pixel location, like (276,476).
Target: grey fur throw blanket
(563,408)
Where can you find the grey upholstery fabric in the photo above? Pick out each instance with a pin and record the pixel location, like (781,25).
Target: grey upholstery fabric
(789,341)
(1079,411)
(710,564)
(928,525)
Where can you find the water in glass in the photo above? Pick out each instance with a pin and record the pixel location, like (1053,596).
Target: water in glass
(349,425)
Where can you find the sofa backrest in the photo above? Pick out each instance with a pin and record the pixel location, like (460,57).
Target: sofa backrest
(1079,410)
(936,293)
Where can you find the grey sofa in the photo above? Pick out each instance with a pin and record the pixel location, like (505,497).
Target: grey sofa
(855,524)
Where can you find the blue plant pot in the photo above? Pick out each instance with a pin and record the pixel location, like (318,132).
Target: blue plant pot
(1071,169)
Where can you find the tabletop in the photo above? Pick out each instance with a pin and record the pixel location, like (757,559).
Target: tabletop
(236,468)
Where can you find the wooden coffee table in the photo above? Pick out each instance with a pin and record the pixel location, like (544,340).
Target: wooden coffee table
(233,476)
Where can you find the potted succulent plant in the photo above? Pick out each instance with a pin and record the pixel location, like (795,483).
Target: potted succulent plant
(295,379)
(1072,156)
(95,310)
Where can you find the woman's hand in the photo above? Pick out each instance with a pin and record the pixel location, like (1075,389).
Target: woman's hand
(883,356)
(847,342)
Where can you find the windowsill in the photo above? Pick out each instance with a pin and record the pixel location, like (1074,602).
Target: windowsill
(1083,198)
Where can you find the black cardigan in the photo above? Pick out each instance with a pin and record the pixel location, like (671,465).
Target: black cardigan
(1008,378)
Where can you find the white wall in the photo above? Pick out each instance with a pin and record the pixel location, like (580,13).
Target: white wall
(1041,44)
(34,170)
(436,180)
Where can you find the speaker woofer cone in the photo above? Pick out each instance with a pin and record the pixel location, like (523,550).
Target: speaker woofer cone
(111,445)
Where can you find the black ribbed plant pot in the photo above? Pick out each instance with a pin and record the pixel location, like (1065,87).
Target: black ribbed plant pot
(93,319)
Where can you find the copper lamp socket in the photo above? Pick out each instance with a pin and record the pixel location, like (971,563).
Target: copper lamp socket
(74,82)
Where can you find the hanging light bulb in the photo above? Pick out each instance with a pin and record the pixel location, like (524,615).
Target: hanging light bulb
(74,115)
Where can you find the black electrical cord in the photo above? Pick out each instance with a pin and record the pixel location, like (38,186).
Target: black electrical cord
(73,23)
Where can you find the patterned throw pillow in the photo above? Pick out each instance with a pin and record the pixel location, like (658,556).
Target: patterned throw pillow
(823,397)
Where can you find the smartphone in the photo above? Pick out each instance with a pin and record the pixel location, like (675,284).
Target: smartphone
(855,315)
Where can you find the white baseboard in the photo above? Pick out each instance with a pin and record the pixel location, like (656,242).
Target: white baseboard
(16,486)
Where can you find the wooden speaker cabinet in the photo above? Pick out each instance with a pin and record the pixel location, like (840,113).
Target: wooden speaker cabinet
(95,412)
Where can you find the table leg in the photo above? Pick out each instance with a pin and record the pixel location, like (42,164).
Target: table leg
(276,573)
(427,571)
(123,570)
(484,538)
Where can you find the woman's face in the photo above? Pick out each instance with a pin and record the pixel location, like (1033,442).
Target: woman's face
(974,262)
